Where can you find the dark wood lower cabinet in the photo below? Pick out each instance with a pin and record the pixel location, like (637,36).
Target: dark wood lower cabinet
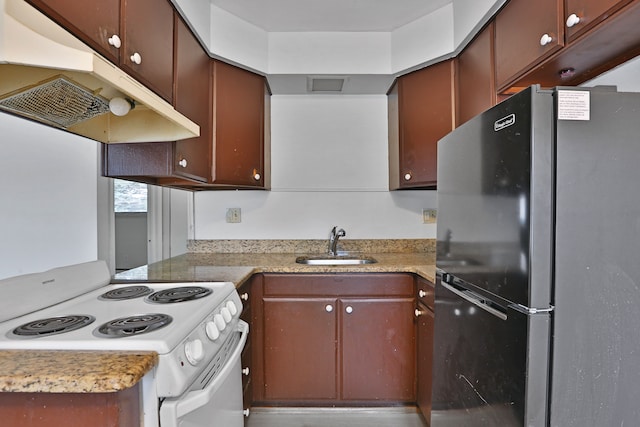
(336,339)
(378,349)
(121,409)
(424,348)
(300,355)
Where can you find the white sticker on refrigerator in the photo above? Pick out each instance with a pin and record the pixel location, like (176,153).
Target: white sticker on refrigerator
(573,105)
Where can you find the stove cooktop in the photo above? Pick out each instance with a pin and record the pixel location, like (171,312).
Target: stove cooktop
(150,316)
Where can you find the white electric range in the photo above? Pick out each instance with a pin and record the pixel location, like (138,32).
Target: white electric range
(194,327)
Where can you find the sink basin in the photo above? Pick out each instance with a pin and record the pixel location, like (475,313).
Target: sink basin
(335,260)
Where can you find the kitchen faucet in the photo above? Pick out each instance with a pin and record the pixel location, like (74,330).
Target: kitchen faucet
(333,240)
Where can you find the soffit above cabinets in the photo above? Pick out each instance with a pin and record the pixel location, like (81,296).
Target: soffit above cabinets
(330,15)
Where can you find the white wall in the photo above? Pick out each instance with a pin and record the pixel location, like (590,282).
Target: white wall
(625,77)
(433,36)
(423,40)
(330,167)
(238,41)
(327,53)
(470,15)
(48,184)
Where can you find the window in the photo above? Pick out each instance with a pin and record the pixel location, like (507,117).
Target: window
(129,196)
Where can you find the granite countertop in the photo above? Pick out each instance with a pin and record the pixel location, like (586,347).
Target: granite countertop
(226,261)
(237,268)
(236,261)
(58,371)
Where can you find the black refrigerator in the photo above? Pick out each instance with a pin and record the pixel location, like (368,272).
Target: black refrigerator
(537,313)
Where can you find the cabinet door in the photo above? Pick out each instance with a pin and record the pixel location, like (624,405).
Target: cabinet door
(424,335)
(238,123)
(192,98)
(590,13)
(519,42)
(93,21)
(378,349)
(147,26)
(476,90)
(300,351)
(424,108)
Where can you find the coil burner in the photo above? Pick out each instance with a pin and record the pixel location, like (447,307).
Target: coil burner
(179,294)
(53,325)
(127,292)
(134,325)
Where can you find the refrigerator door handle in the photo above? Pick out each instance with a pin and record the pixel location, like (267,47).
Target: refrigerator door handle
(529,310)
(476,300)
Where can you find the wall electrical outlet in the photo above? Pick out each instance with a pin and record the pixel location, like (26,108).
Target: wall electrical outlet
(429,216)
(234,215)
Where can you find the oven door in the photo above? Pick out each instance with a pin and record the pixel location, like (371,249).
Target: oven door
(219,402)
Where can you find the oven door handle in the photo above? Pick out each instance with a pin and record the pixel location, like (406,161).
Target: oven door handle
(196,399)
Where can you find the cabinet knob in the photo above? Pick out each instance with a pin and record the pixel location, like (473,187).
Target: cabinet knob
(407,176)
(328,308)
(256,175)
(349,309)
(422,293)
(136,58)
(244,297)
(183,163)
(545,39)
(418,312)
(115,41)
(245,371)
(572,20)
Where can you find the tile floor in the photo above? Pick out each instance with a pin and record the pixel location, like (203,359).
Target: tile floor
(335,417)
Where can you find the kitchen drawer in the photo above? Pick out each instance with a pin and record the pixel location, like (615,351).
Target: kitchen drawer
(366,284)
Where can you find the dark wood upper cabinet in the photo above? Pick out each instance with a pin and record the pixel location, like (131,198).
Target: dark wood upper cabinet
(239,115)
(94,22)
(475,77)
(526,32)
(589,13)
(192,157)
(147,45)
(118,29)
(231,106)
(420,113)
(605,34)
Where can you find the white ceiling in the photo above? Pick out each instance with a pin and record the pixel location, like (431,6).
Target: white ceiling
(329,15)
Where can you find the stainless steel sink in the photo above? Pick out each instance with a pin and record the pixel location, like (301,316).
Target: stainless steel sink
(335,260)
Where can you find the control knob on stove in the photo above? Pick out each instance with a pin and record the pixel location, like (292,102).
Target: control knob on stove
(226,314)
(212,330)
(194,350)
(232,307)
(219,321)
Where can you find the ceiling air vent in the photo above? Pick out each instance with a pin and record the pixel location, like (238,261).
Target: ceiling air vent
(326,84)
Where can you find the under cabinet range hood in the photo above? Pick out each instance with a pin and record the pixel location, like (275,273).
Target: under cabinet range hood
(48,75)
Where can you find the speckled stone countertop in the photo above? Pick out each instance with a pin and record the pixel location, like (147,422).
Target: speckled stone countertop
(212,261)
(72,371)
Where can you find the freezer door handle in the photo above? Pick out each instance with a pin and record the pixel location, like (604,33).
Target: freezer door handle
(529,310)
(476,300)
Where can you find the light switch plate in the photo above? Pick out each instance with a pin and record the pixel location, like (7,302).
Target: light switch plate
(429,216)
(234,215)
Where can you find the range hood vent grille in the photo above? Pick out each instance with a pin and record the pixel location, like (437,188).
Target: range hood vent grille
(57,102)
